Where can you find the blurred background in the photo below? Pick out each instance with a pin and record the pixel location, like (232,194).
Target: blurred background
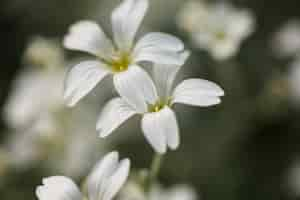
(245,148)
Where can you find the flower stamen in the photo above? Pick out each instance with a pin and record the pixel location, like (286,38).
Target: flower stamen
(121,63)
(221,35)
(158,106)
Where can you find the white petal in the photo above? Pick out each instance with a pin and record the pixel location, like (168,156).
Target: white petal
(243,24)
(197,92)
(89,37)
(161,129)
(159,55)
(126,20)
(115,113)
(164,76)
(58,188)
(160,41)
(182,192)
(100,174)
(136,88)
(225,49)
(81,79)
(117,180)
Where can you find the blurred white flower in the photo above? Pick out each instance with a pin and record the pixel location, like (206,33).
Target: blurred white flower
(104,182)
(132,191)
(33,103)
(79,148)
(25,147)
(33,94)
(141,96)
(66,146)
(36,90)
(42,129)
(293,179)
(63,140)
(286,41)
(44,53)
(294,79)
(177,192)
(116,58)
(218,28)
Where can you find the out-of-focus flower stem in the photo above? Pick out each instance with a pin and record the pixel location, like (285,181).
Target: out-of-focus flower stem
(153,172)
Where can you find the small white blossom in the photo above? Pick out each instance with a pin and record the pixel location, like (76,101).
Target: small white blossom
(117,57)
(42,129)
(154,103)
(25,147)
(292,179)
(286,41)
(132,191)
(44,53)
(218,28)
(37,89)
(104,182)
(294,79)
(177,192)
(67,146)
(79,148)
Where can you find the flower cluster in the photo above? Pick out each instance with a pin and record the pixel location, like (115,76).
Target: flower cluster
(286,44)
(132,191)
(151,95)
(218,28)
(44,131)
(286,41)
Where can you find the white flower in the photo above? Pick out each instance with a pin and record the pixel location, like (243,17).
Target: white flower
(294,80)
(177,192)
(34,93)
(218,28)
(293,179)
(116,57)
(159,122)
(103,183)
(286,41)
(37,89)
(132,191)
(25,147)
(79,148)
(44,52)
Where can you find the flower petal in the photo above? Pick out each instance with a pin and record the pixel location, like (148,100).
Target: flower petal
(126,19)
(182,192)
(164,76)
(115,112)
(89,37)
(197,92)
(99,176)
(161,129)
(58,188)
(160,41)
(136,88)
(81,79)
(160,55)
(225,49)
(117,180)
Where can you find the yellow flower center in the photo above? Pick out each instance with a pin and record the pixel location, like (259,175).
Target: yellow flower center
(121,64)
(159,105)
(221,35)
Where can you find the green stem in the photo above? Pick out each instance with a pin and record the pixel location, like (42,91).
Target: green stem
(153,172)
